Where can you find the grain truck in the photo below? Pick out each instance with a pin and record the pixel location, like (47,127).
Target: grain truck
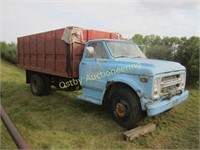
(108,69)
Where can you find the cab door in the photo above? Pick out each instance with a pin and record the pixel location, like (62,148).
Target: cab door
(92,68)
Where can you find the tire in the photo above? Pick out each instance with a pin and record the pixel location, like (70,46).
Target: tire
(37,85)
(125,108)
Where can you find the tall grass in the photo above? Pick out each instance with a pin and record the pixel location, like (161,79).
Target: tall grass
(61,121)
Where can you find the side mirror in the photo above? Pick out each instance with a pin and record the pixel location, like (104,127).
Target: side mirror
(90,51)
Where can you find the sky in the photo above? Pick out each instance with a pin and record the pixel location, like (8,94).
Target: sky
(128,17)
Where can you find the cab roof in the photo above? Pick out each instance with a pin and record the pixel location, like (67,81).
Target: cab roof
(96,40)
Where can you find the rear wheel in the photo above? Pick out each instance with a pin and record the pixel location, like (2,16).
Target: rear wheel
(37,85)
(125,108)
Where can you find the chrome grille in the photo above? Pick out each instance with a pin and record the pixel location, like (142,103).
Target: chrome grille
(170,78)
(170,85)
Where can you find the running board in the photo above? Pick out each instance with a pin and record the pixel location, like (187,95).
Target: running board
(89,99)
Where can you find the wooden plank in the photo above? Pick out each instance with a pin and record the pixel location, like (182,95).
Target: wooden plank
(136,132)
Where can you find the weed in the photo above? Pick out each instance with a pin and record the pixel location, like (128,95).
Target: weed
(61,121)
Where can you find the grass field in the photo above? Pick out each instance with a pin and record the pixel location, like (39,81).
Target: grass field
(61,121)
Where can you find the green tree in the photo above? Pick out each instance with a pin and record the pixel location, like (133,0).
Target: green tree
(188,55)
(182,50)
(8,51)
(138,38)
(159,52)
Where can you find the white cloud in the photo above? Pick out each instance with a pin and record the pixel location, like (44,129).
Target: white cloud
(166,18)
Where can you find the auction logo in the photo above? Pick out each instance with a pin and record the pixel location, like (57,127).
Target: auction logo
(112,72)
(99,75)
(72,82)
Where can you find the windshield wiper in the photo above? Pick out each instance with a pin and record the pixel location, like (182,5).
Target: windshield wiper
(122,56)
(138,57)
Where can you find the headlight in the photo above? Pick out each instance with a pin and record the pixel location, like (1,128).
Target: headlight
(156,91)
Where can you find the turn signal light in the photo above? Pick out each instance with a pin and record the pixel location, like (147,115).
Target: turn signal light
(155,92)
(145,80)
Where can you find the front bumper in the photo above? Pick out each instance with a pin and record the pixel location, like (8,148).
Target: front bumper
(161,106)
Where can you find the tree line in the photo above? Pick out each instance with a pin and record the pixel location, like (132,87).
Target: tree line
(9,51)
(183,50)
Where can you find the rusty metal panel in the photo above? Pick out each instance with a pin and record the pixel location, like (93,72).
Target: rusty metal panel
(49,42)
(60,52)
(98,35)
(40,40)
(77,50)
(95,34)
(47,53)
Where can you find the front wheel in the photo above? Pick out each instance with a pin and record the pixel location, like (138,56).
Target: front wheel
(125,108)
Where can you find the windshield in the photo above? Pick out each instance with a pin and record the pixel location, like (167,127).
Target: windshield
(124,49)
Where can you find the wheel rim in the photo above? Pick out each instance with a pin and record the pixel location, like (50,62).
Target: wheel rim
(34,86)
(122,109)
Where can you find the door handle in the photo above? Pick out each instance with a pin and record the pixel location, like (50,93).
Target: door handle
(83,63)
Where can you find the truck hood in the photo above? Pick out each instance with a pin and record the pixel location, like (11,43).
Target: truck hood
(149,67)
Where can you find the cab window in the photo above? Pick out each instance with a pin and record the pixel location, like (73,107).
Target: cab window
(98,49)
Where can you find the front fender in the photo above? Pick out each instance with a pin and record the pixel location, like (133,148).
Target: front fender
(130,80)
(133,82)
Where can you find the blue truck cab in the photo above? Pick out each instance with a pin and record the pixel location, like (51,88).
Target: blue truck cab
(116,72)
